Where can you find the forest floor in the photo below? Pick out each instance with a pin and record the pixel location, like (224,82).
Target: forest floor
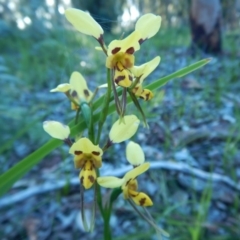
(192,143)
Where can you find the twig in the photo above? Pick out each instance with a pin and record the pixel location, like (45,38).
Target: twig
(179,167)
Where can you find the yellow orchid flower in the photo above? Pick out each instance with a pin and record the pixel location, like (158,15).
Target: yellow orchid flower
(140,73)
(56,129)
(121,59)
(148,25)
(129,185)
(77,88)
(134,154)
(124,129)
(84,22)
(88,157)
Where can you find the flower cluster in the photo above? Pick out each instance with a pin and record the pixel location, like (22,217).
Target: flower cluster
(124,77)
(120,54)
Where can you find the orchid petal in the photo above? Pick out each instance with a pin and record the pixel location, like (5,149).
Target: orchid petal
(110,182)
(134,154)
(56,129)
(83,22)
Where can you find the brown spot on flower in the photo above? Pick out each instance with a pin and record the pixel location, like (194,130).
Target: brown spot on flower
(130,77)
(74,93)
(134,195)
(95,153)
(130,50)
(147,96)
(91,178)
(142,201)
(119,79)
(91,168)
(86,92)
(116,50)
(77,152)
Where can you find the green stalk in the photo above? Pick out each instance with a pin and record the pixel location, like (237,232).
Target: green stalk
(99,195)
(104,112)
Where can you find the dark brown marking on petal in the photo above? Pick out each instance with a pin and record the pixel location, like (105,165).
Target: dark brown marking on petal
(81,179)
(141,97)
(130,50)
(142,201)
(86,92)
(147,96)
(134,195)
(91,168)
(74,93)
(119,79)
(116,50)
(91,178)
(77,152)
(95,153)
(130,77)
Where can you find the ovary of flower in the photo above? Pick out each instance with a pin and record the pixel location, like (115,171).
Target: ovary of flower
(121,59)
(56,129)
(88,157)
(134,154)
(148,25)
(129,185)
(77,88)
(124,129)
(140,73)
(83,22)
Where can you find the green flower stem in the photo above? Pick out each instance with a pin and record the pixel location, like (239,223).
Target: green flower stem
(104,112)
(107,213)
(99,195)
(107,229)
(103,116)
(8,178)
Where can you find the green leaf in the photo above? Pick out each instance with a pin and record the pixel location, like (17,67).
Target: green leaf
(20,169)
(179,73)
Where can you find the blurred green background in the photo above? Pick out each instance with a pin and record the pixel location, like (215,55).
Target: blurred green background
(196,124)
